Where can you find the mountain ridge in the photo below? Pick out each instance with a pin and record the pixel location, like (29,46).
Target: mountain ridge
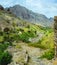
(30,16)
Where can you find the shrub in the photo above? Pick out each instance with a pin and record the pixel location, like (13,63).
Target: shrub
(1,33)
(3,46)
(6,30)
(5,58)
(1,39)
(24,37)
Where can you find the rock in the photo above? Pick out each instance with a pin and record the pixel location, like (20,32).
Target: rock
(20,57)
(55,32)
(1,7)
(55,62)
(28,56)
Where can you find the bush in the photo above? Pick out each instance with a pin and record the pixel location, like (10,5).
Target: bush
(1,39)
(3,46)
(24,37)
(5,58)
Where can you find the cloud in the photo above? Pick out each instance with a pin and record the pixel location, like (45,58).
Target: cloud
(29,1)
(47,7)
(6,3)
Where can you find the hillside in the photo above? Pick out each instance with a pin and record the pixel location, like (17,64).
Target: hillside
(24,43)
(30,16)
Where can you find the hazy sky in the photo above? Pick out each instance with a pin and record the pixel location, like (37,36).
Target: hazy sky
(46,7)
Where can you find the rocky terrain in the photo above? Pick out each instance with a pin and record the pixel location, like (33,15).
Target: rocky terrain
(25,43)
(26,55)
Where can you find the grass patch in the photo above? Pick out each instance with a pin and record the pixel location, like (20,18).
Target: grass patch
(48,54)
(37,45)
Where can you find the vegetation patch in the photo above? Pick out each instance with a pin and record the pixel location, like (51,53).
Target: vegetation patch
(5,57)
(48,54)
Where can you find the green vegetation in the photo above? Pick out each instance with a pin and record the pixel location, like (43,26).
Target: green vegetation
(3,46)
(17,30)
(26,35)
(48,54)
(5,57)
(46,42)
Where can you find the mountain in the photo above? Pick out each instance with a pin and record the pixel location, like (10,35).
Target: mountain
(9,20)
(24,43)
(51,19)
(30,16)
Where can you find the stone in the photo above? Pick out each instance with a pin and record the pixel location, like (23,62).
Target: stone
(1,7)
(55,62)
(55,35)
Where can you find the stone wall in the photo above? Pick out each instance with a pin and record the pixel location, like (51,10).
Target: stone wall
(55,35)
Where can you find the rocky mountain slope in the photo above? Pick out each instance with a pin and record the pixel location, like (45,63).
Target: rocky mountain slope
(25,41)
(9,20)
(30,16)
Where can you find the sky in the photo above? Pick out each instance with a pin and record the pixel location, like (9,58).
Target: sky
(46,7)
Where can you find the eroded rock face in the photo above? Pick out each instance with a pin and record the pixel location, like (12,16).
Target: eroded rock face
(55,35)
